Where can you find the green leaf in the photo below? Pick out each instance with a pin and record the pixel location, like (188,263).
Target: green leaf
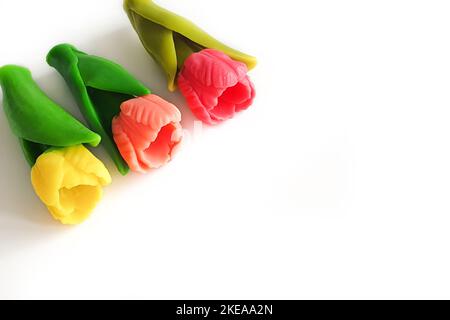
(32,150)
(99,86)
(158,41)
(158,30)
(35,119)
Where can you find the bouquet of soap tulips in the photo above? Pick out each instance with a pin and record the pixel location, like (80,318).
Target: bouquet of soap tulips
(139,130)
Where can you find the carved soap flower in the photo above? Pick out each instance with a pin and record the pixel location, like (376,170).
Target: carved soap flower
(64,174)
(121,109)
(212,76)
(70,182)
(147,132)
(215,86)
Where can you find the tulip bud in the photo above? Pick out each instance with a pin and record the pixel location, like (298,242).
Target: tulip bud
(64,174)
(215,86)
(69,182)
(147,132)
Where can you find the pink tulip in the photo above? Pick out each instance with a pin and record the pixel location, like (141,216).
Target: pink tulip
(147,132)
(215,86)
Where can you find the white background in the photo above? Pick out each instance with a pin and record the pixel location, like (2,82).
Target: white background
(335,184)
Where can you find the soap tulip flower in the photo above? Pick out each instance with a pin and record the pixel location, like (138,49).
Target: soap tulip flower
(65,175)
(219,86)
(147,132)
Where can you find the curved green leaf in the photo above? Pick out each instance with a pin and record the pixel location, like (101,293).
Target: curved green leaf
(99,86)
(158,41)
(159,28)
(35,119)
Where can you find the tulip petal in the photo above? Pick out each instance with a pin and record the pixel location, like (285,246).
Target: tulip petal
(125,145)
(223,111)
(83,168)
(47,175)
(194,102)
(151,110)
(246,104)
(161,150)
(238,94)
(76,204)
(213,68)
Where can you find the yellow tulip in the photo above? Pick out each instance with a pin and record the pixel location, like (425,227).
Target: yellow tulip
(69,181)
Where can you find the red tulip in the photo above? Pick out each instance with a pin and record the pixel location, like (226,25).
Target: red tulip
(215,86)
(147,132)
